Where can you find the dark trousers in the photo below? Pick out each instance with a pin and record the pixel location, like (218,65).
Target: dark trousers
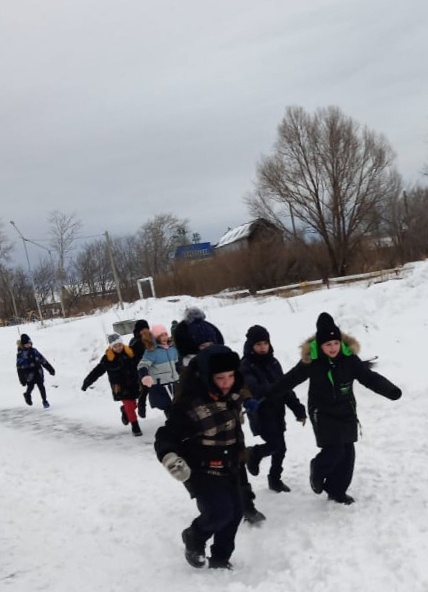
(220,506)
(272,432)
(247,494)
(40,385)
(336,465)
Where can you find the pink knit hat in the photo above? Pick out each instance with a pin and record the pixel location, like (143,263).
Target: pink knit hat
(158,330)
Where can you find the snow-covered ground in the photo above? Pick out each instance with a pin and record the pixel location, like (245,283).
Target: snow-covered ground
(87,507)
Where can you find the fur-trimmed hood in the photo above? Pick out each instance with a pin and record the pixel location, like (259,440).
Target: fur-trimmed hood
(110,354)
(19,345)
(348,340)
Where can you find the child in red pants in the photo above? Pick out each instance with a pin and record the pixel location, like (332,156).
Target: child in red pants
(120,364)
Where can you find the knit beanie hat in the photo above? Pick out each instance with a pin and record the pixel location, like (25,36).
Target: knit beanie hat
(114,339)
(327,330)
(139,326)
(201,332)
(198,329)
(158,330)
(257,333)
(25,339)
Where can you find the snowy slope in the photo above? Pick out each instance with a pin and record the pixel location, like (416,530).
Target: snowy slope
(87,507)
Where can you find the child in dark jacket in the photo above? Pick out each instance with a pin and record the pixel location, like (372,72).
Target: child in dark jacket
(202,445)
(261,370)
(191,335)
(119,363)
(141,335)
(30,364)
(331,364)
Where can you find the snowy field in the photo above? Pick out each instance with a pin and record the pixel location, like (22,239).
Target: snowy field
(87,507)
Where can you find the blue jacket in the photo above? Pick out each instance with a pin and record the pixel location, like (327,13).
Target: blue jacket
(30,364)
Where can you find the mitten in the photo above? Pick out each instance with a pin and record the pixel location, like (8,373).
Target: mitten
(84,386)
(176,466)
(251,405)
(394,393)
(147,381)
(51,371)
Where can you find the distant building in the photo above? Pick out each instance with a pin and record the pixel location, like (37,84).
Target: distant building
(243,236)
(194,251)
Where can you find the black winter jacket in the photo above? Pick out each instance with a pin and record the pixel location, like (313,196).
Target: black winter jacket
(121,371)
(331,402)
(260,374)
(138,347)
(206,431)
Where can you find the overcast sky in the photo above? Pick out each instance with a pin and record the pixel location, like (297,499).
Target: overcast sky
(120,110)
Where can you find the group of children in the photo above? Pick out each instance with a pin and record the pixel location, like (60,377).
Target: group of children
(202,387)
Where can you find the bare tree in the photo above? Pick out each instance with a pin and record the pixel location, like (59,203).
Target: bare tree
(327,175)
(159,239)
(45,280)
(63,230)
(405,219)
(94,270)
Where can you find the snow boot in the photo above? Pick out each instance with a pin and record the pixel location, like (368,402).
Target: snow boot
(194,551)
(45,404)
(253,461)
(316,482)
(342,499)
(124,417)
(136,430)
(254,517)
(28,399)
(277,485)
(214,563)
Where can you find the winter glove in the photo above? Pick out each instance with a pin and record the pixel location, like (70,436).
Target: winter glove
(394,393)
(84,386)
(176,466)
(147,381)
(51,371)
(251,405)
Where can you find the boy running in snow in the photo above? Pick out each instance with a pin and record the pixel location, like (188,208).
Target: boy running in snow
(330,362)
(30,364)
(202,446)
(193,334)
(261,370)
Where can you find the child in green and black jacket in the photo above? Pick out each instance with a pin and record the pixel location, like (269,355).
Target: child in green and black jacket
(330,362)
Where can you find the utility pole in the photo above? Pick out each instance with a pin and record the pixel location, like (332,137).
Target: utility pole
(24,241)
(113,268)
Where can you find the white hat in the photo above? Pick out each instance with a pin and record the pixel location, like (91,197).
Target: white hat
(114,338)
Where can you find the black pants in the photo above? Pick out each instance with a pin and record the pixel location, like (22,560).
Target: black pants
(220,509)
(247,493)
(336,465)
(40,385)
(271,427)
